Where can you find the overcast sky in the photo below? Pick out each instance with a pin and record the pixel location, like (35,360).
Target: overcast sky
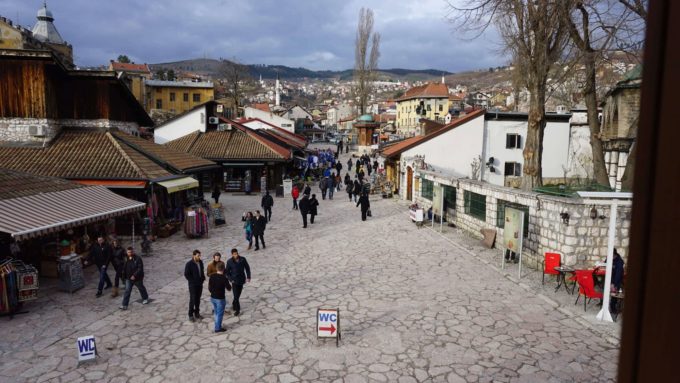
(315,34)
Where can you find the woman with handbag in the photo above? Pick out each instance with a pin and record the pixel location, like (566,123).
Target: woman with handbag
(248,227)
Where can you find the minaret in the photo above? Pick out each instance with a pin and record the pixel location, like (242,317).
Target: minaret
(443,81)
(276,90)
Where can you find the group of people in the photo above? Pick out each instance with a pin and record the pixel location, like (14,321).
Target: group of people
(127,265)
(222,277)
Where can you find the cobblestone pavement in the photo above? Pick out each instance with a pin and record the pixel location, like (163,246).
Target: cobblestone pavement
(414,307)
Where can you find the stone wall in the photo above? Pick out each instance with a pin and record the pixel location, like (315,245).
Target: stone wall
(18,130)
(582,240)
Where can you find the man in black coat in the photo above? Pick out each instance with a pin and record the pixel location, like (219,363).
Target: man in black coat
(133,274)
(238,273)
(259,224)
(365,205)
(100,255)
(195,275)
(304,209)
(267,203)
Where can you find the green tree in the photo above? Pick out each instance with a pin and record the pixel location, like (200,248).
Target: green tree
(123,59)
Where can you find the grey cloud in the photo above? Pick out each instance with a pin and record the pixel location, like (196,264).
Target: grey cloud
(317,34)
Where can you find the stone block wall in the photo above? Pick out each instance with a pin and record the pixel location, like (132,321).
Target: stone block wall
(582,240)
(17,130)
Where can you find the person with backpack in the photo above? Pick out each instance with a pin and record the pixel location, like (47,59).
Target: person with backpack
(295,193)
(267,203)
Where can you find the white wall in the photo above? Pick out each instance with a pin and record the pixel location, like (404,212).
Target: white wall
(181,126)
(453,152)
(271,118)
(297,112)
(556,147)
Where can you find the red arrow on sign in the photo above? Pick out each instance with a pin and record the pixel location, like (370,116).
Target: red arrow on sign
(331,329)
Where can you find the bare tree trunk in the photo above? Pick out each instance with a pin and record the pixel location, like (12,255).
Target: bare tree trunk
(629,172)
(590,95)
(533,147)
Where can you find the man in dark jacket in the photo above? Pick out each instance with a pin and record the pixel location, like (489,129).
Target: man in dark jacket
(365,205)
(313,203)
(238,273)
(195,275)
(356,189)
(117,260)
(267,203)
(323,186)
(338,167)
(217,285)
(304,209)
(330,184)
(100,255)
(349,165)
(133,274)
(307,190)
(259,224)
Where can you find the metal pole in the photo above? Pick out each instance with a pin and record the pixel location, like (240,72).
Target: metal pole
(521,243)
(133,231)
(604,314)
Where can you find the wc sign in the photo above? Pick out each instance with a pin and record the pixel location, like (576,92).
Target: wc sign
(328,323)
(87,348)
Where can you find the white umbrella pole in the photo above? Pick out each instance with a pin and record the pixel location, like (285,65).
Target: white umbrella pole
(604,314)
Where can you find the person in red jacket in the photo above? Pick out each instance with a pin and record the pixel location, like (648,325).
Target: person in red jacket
(295,193)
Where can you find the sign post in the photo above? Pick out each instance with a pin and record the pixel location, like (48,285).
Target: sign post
(513,235)
(328,324)
(87,348)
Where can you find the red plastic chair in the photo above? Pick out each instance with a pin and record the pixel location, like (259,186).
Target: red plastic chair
(551,261)
(586,287)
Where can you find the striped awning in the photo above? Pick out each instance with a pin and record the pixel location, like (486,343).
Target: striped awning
(45,213)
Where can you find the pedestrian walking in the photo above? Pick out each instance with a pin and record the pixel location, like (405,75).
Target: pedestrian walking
(349,165)
(330,184)
(267,203)
(133,274)
(357,189)
(259,225)
(117,260)
(338,167)
(347,146)
(361,174)
(323,186)
(216,194)
(100,255)
(218,284)
(295,193)
(365,205)
(340,146)
(248,229)
(349,188)
(212,265)
(238,273)
(304,209)
(195,276)
(308,190)
(313,203)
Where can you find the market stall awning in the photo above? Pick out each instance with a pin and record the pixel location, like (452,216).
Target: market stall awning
(41,214)
(116,184)
(178,184)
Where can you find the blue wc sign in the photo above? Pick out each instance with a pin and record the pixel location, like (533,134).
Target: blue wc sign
(87,348)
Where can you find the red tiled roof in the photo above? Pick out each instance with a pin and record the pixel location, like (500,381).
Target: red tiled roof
(129,67)
(425,91)
(83,154)
(402,146)
(239,143)
(263,107)
(15,184)
(290,138)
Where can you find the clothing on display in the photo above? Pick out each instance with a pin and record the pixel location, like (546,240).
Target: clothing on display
(196,222)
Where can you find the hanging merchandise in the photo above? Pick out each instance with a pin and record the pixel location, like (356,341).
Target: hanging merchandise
(18,284)
(195,222)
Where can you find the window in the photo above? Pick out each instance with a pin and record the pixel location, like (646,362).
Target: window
(441,108)
(427,187)
(449,197)
(513,169)
(186,97)
(475,205)
(172,96)
(159,104)
(513,141)
(158,90)
(197,97)
(429,107)
(500,214)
